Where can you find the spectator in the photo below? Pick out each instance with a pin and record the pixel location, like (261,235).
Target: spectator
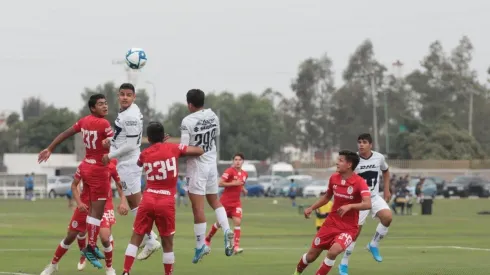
(293,189)
(418,189)
(181,192)
(29,186)
(402,200)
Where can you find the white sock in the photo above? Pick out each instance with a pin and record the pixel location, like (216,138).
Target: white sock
(200,232)
(348,252)
(381,232)
(329,262)
(168,258)
(131,250)
(222,218)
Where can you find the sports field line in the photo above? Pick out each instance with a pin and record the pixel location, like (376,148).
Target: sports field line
(14,273)
(283,248)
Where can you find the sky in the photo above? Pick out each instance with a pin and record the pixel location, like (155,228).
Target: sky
(55,48)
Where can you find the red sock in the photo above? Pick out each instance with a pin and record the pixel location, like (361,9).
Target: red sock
(129,256)
(324,269)
(302,264)
(237,237)
(211,233)
(169,269)
(60,251)
(108,256)
(82,242)
(93,228)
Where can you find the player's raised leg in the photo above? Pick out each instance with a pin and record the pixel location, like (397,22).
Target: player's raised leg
(385,217)
(105,239)
(307,259)
(82,243)
(344,264)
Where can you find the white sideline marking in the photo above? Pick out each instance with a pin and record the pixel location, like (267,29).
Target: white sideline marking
(13,273)
(282,248)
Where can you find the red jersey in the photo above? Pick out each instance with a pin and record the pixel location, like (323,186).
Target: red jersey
(159,162)
(231,194)
(346,192)
(94,131)
(85,194)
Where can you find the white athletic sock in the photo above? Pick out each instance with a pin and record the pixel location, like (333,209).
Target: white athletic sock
(381,232)
(222,218)
(348,252)
(168,258)
(200,233)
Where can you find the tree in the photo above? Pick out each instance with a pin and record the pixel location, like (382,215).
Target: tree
(314,87)
(33,107)
(12,119)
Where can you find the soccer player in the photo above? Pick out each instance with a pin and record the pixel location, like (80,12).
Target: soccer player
(337,232)
(158,205)
(233,180)
(371,167)
(125,146)
(78,226)
(94,128)
(200,128)
(322,213)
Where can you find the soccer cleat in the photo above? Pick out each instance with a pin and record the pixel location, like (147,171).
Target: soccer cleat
(99,254)
(200,253)
(375,252)
(125,273)
(110,271)
(81,264)
(229,242)
(343,269)
(149,249)
(238,250)
(50,269)
(89,253)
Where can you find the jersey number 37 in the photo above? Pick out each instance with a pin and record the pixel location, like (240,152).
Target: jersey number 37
(160,170)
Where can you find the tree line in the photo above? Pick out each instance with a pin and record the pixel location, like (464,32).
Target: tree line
(435,112)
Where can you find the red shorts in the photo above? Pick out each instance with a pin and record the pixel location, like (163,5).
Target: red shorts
(328,235)
(158,209)
(97,180)
(79,220)
(233,211)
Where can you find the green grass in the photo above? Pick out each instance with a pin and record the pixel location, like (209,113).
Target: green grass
(274,237)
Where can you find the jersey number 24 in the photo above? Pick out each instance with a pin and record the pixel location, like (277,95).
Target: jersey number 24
(159,170)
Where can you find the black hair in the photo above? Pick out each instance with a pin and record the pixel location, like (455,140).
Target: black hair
(351,157)
(196,98)
(127,86)
(92,101)
(155,132)
(239,154)
(365,136)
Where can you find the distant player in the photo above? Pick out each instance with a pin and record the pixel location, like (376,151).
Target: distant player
(201,128)
(78,226)
(158,204)
(94,128)
(233,180)
(371,167)
(125,146)
(351,195)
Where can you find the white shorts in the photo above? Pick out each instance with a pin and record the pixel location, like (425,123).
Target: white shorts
(130,174)
(377,204)
(202,179)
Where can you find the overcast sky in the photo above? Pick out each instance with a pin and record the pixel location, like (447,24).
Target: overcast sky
(54,48)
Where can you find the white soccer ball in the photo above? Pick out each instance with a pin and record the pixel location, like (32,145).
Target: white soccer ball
(136,58)
(274,202)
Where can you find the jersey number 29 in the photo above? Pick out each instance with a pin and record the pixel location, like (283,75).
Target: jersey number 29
(206,140)
(159,170)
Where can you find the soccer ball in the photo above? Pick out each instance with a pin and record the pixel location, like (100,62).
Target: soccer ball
(136,58)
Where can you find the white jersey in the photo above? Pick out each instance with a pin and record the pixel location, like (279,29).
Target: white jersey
(371,169)
(201,129)
(128,129)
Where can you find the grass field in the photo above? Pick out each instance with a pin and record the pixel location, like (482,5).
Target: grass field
(455,240)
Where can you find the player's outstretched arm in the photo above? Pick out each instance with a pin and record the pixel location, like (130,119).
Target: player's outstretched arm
(193,151)
(46,153)
(319,203)
(223,183)
(123,207)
